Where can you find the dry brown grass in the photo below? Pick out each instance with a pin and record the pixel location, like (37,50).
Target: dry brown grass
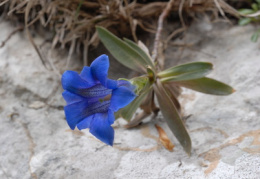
(73,21)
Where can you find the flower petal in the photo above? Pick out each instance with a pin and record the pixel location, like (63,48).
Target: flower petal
(111,117)
(121,97)
(71,98)
(72,82)
(101,129)
(76,112)
(87,75)
(126,84)
(99,68)
(85,123)
(111,84)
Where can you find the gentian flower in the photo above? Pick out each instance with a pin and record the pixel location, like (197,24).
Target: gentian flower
(92,99)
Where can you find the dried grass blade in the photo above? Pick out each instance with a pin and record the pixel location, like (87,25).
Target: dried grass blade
(26,17)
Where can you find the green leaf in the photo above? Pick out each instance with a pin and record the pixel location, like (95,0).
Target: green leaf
(170,92)
(207,85)
(187,71)
(254,37)
(172,117)
(78,9)
(186,68)
(246,11)
(146,58)
(244,21)
(254,7)
(186,76)
(124,53)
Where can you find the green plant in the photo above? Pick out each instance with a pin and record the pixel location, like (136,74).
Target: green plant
(251,16)
(162,84)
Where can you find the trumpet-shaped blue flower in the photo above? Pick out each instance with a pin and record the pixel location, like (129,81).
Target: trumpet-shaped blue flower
(92,99)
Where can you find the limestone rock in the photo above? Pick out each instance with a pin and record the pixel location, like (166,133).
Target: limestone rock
(36,141)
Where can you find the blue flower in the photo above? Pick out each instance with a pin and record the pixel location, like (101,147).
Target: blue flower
(92,99)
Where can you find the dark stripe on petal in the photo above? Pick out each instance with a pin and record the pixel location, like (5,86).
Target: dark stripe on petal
(98,107)
(95,91)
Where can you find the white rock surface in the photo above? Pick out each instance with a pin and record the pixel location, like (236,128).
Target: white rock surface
(36,141)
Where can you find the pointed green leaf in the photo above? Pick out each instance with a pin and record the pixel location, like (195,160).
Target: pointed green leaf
(170,92)
(187,71)
(186,76)
(246,11)
(207,85)
(146,58)
(254,7)
(123,53)
(172,117)
(244,21)
(186,68)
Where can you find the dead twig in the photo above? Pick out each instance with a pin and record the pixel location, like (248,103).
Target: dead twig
(2,3)
(74,18)
(173,34)
(180,13)
(220,9)
(20,28)
(251,15)
(72,47)
(86,47)
(132,22)
(159,30)
(26,19)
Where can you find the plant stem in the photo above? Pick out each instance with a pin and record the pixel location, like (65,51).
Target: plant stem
(159,30)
